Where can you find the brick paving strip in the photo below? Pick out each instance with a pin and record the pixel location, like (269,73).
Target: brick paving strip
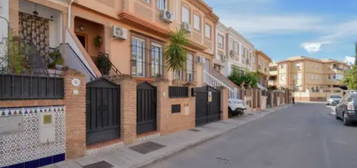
(157,148)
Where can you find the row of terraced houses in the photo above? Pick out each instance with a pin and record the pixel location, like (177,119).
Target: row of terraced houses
(52,115)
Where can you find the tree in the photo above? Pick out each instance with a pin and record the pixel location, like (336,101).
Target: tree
(175,52)
(246,79)
(351,78)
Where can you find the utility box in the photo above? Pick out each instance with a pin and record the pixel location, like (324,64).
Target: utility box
(47,128)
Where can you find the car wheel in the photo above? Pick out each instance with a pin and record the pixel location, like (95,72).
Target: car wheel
(230,112)
(345,120)
(336,116)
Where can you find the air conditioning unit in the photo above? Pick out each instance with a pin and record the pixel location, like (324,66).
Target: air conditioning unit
(186,27)
(167,16)
(120,33)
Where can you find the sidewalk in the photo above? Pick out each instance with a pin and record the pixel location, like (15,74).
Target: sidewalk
(156,148)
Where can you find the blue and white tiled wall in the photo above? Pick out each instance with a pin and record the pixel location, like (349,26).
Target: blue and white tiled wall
(22,147)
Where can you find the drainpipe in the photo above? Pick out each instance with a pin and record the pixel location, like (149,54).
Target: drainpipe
(69,13)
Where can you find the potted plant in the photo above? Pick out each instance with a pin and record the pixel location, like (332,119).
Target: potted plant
(103,63)
(55,60)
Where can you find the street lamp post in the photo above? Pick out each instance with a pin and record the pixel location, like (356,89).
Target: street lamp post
(356,54)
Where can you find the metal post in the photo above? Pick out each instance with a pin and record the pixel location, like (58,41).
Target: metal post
(356,54)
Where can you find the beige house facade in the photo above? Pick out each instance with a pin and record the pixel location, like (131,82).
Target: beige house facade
(262,65)
(310,79)
(133,35)
(233,51)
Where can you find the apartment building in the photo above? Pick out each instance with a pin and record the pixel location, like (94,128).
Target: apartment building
(273,75)
(221,55)
(263,62)
(233,51)
(310,79)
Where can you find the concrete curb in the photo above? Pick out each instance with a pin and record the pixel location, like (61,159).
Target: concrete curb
(262,114)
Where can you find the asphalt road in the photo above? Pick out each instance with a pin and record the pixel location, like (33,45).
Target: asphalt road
(302,136)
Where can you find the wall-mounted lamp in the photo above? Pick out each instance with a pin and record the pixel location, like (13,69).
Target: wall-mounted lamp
(35,12)
(81,28)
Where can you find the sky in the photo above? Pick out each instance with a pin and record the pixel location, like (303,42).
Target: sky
(285,28)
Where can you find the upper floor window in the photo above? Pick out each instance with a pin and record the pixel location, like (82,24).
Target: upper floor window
(189,67)
(147,1)
(237,48)
(162,4)
(197,22)
(146,61)
(156,60)
(185,15)
(138,57)
(220,41)
(208,31)
(188,73)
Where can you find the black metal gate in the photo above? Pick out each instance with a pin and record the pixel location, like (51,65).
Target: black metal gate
(102,111)
(208,105)
(146,108)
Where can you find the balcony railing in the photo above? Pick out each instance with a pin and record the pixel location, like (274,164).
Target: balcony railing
(146,69)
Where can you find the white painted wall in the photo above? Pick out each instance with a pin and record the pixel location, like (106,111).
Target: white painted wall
(4,12)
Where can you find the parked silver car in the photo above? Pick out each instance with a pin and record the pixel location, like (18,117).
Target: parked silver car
(346,110)
(333,100)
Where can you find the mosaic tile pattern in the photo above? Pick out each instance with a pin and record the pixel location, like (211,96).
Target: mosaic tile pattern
(24,145)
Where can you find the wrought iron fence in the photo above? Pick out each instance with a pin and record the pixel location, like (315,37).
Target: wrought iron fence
(178,92)
(22,87)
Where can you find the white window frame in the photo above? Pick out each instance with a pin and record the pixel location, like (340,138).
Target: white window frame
(156,64)
(162,4)
(189,67)
(219,43)
(197,22)
(208,31)
(140,67)
(185,17)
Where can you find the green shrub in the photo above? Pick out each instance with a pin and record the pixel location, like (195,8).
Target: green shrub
(103,63)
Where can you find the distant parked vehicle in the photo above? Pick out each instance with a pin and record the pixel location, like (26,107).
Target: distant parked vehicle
(333,100)
(236,107)
(346,110)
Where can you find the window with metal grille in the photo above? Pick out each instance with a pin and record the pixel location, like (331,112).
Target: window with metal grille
(178,92)
(176,108)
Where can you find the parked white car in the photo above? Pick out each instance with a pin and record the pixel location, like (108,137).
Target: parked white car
(333,100)
(236,107)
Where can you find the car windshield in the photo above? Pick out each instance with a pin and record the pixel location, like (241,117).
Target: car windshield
(335,97)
